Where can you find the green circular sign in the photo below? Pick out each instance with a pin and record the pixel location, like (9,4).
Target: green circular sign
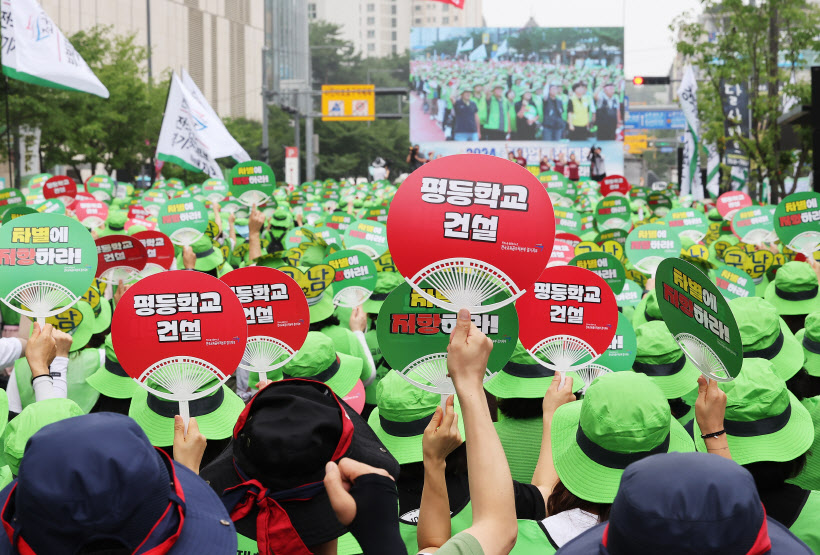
(797,221)
(617,235)
(367,236)
(10,197)
(252,182)
(648,245)
(698,315)
(567,220)
(555,183)
(624,347)
(659,203)
(630,295)
(355,277)
(55,251)
(183,221)
(605,265)
(753,225)
(689,223)
(734,282)
(101,187)
(215,189)
(51,206)
(613,212)
(16,211)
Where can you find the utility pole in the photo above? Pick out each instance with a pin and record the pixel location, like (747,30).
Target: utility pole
(148,21)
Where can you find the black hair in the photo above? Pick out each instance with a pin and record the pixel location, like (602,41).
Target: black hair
(679,408)
(521,409)
(561,499)
(772,474)
(456,463)
(98,339)
(804,385)
(331,320)
(796,322)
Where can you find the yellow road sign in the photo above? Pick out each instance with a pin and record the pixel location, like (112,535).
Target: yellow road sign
(348,103)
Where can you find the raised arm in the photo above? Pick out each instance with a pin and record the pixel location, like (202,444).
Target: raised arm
(545,477)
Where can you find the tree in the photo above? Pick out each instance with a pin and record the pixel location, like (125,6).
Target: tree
(760,46)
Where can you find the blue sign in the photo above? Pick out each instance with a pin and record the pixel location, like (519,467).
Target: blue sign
(655,119)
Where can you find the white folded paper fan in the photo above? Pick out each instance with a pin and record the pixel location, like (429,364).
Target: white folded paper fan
(351,297)
(465,283)
(430,374)
(153,209)
(41,298)
(563,352)
(263,354)
(112,276)
(589,372)
(313,217)
(179,379)
(615,223)
(93,222)
(703,357)
(253,197)
(756,237)
(186,236)
(693,234)
(649,264)
(367,249)
(806,243)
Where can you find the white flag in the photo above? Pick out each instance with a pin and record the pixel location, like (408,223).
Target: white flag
(479,54)
(179,140)
(502,49)
(211,129)
(713,170)
(467,46)
(687,93)
(36,51)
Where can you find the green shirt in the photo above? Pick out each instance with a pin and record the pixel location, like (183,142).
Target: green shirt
(805,527)
(461,544)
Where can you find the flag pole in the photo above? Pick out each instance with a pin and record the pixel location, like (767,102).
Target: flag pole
(8,134)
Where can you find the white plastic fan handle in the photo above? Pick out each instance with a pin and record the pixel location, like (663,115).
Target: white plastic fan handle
(563,379)
(185,414)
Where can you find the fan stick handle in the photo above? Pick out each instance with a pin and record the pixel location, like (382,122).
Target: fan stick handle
(563,379)
(185,413)
(41,321)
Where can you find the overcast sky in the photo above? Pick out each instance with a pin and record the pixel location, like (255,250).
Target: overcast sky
(648,40)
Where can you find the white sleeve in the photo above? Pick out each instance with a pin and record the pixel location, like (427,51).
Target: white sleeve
(43,388)
(10,350)
(15,404)
(242,377)
(370,377)
(58,370)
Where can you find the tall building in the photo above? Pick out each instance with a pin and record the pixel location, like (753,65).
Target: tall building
(380,28)
(219,42)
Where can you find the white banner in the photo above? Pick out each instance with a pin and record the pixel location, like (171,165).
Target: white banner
(690,177)
(29,150)
(713,170)
(36,51)
(479,54)
(211,130)
(179,140)
(466,47)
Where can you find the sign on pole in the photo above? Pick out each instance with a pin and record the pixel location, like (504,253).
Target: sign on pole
(348,103)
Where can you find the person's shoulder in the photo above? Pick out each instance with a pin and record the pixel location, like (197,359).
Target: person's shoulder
(461,544)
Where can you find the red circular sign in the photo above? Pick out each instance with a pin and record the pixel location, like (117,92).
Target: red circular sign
(568,301)
(139,212)
(158,248)
(568,238)
(472,206)
(91,213)
(274,304)
(615,184)
(131,222)
(731,202)
(120,251)
(562,253)
(179,314)
(61,187)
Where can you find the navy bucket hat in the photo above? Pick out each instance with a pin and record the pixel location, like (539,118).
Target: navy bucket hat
(710,508)
(95,481)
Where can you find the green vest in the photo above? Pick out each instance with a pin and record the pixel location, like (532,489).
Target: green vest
(579,117)
(494,119)
(407,528)
(805,527)
(246,546)
(481,102)
(531,540)
(81,364)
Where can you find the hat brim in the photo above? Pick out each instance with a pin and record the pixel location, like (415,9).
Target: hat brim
(811,361)
(809,477)
(680,383)
(581,475)
(314,518)
(789,360)
(202,531)
(160,429)
(208,263)
(371,306)
(783,541)
(760,287)
(350,370)
(507,386)
(639,316)
(103,321)
(323,309)
(786,444)
(82,333)
(789,308)
(111,385)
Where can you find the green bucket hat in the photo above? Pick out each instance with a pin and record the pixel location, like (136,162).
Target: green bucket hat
(135,229)
(321,307)
(111,380)
(524,378)
(102,310)
(312,256)
(114,224)
(766,335)
(215,414)
(764,421)
(809,477)
(318,360)
(402,414)
(809,339)
(29,422)
(207,257)
(647,310)
(623,417)
(660,358)
(386,282)
(794,289)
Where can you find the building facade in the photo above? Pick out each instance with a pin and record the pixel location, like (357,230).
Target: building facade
(381,28)
(219,42)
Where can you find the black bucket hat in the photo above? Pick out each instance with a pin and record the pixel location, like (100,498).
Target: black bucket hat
(270,477)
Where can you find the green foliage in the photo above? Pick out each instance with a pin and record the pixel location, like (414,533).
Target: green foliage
(759,46)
